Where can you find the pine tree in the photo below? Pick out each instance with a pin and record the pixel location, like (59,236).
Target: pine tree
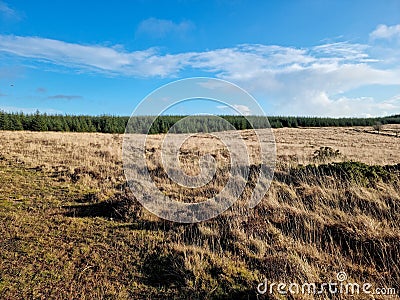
(5,123)
(16,123)
(38,122)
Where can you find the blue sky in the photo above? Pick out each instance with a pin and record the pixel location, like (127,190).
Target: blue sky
(323,58)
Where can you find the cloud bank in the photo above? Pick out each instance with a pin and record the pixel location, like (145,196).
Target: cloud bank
(301,81)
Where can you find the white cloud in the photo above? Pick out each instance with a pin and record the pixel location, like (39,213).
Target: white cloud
(241,63)
(307,81)
(159,28)
(386,32)
(342,52)
(236,109)
(243,109)
(323,105)
(91,58)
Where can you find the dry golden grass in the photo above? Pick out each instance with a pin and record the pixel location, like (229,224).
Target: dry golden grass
(357,144)
(69,229)
(94,149)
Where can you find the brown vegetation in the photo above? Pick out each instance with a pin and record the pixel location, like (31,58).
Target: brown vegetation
(70,228)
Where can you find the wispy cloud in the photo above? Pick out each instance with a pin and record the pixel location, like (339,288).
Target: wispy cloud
(386,32)
(342,52)
(7,12)
(308,81)
(93,58)
(66,97)
(237,63)
(160,28)
(41,90)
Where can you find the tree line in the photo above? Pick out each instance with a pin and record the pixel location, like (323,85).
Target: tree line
(162,124)
(67,123)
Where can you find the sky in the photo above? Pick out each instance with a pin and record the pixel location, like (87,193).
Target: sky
(304,58)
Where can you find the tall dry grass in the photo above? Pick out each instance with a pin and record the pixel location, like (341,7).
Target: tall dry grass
(70,231)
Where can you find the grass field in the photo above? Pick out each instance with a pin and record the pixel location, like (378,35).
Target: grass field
(71,229)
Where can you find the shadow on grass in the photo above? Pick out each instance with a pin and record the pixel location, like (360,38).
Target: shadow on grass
(120,208)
